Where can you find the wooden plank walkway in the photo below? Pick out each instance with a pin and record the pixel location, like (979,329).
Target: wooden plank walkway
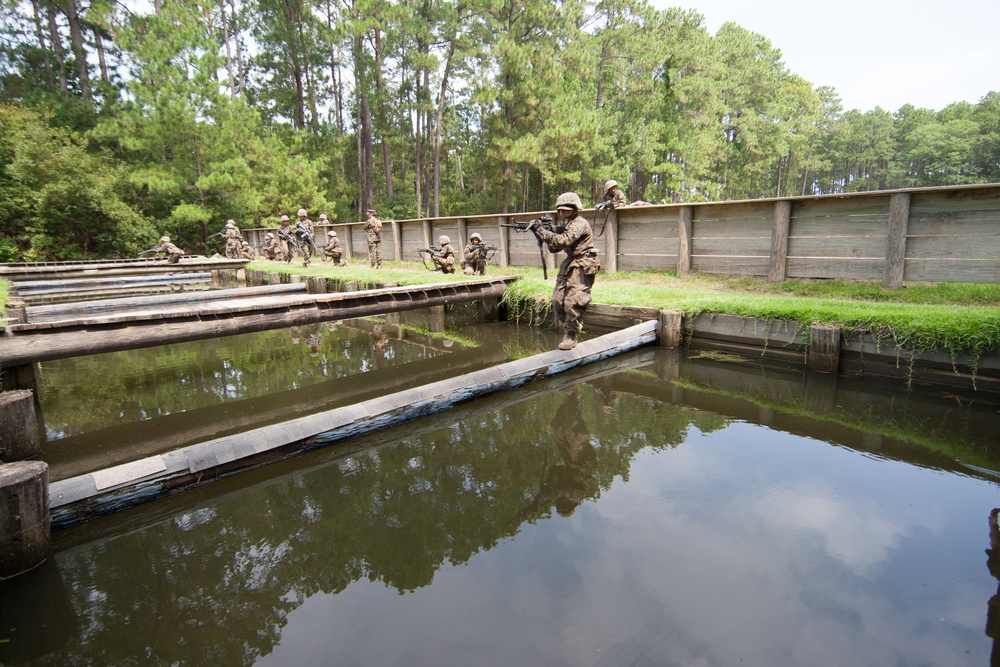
(80,335)
(127,267)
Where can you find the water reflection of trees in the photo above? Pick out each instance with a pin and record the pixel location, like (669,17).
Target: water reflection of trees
(84,394)
(215,584)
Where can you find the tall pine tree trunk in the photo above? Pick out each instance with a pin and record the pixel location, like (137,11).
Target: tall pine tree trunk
(437,129)
(383,125)
(229,53)
(57,51)
(79,53)
(42,45)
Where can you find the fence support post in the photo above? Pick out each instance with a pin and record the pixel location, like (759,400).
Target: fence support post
(779,240)
(503,252)
(428,233)
(397,241)
(463,234)
(685,215)
(611,243)
(348,242)
(895,252)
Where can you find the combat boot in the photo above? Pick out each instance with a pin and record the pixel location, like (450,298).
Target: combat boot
(568,342)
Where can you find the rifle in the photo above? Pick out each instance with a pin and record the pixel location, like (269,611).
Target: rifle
(485,252)
(144,252)
(428,251)
(288,237)
(214,235)
(544,222)
(304,233)
(603,206)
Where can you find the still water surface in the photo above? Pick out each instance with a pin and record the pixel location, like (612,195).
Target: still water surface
(658,509)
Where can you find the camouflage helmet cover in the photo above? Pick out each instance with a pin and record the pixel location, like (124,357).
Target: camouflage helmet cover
(284,218)
(333,233)
(612,183)
(230,223)
(443,240)
(269,235)
(322,216)
(301,213)
(569,200)
(476,237)
(164,239)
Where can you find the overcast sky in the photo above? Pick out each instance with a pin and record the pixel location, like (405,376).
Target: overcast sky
(876,52)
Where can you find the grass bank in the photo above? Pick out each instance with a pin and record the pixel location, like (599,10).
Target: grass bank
(960,318)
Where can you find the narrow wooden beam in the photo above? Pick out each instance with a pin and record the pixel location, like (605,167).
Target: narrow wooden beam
(779,240)
(463,234)
(428,233)
(348,241)
(684,225)
(895,253)
(503,253)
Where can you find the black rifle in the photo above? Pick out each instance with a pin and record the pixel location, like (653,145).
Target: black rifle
(484,251)
(606,206)
(428,251)
(304,234)
(544,222)
(288,237)
(146,252)
(212,236)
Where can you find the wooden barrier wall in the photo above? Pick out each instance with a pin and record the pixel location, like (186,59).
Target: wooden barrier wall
(946,234)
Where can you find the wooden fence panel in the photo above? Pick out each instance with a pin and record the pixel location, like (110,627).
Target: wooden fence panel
(647,238)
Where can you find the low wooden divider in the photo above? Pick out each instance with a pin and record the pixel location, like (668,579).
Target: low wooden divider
(94,494)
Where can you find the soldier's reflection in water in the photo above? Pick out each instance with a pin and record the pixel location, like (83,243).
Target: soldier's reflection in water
(379,338)
(572,477)
(993,606)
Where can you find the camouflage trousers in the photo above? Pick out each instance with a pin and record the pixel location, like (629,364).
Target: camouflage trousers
(375,253)
(571,297)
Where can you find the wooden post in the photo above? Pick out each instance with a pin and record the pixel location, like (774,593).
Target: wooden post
(684,225)
(671,329)
(397,241)
(779,240)
(25,533)
(428,233)
(18,427)
(274,278)
(503,252)
(241,277)
(491,309)
(348,242)
(16,311)
(611,243)
(316,285)
(20,377)
(895,253)
(463,234)
(824,348)
(350,286)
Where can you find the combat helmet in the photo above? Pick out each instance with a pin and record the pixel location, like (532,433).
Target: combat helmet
(322,216)
(333,233)
(164,239)
(569,200)
(284,218)
(476,237)
(301,213)
(269,235)
(230,223)
(443,240)
(612,183)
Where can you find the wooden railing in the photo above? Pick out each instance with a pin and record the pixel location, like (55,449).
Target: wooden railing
(945,234)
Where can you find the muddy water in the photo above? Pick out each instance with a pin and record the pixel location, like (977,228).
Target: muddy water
(657,509)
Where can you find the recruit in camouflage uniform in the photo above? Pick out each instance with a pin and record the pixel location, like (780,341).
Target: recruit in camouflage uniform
(474,261)
(271,247)
(334,250)
(246,252)
(373,228)
(285,248)
(613,195)
(444,259)
(174,253)
(576,274)
(233,239)
(306,235)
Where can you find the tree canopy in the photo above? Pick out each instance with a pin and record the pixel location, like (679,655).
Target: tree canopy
(174,118)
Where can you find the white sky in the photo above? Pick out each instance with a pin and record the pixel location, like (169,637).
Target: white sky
(876,52)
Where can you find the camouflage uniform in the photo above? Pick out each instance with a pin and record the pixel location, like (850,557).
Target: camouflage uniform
(475,260)
(617,200)
(334,250)
(373,227)
(233,240)
(271,247)
(246,252)
(174,253)
(287,250)
(571,295)
(304,230)
(444,259)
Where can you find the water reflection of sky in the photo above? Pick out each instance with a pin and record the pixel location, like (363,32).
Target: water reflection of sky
(745,546)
